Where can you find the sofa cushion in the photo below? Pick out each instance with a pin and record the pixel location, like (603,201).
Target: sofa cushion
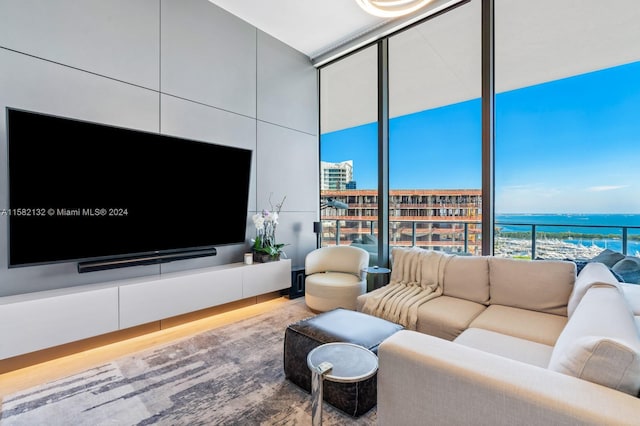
(600,342)
(467,277)
(608,257)
(446,317)
(523,323)
(507,346)
(628,269)
(541,285)
(592,275)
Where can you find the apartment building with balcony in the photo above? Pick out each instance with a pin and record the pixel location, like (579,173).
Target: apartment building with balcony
(441,219)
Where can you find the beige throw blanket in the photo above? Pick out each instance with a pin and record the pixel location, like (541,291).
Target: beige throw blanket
(416,277)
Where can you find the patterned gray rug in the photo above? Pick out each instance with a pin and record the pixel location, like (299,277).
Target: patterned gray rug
(228,376)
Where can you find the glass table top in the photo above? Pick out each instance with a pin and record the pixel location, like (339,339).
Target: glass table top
(376,270)
(351,363)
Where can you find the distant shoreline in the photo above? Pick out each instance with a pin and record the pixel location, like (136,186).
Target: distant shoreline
(566,235)
(585,223)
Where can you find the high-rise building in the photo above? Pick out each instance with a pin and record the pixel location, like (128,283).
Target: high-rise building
(336,176)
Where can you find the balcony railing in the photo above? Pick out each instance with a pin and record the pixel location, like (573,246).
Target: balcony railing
(561,237)
(524,240)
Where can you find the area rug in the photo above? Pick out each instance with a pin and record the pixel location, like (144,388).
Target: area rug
(231,375)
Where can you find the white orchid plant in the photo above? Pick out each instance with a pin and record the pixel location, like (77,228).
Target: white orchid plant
(266,223)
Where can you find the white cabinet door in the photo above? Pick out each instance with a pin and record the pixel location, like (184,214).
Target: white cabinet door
(261,278)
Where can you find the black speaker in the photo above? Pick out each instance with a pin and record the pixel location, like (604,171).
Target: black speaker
(297,283)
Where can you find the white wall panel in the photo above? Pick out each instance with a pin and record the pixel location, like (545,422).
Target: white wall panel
(287,86)
(115,38)
(42,86)
(203,123)
(208,55)
(296,230)
(287,165)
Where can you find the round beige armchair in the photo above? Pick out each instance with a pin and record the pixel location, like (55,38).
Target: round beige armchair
(335,277)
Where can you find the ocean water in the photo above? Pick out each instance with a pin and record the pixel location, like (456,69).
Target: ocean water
(598,225)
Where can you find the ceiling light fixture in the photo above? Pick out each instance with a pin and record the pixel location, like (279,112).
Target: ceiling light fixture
(391,8)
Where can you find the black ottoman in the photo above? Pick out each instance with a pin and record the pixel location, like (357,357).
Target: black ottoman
(338,325)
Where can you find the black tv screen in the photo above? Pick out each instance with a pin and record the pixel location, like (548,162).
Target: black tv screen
(83,191)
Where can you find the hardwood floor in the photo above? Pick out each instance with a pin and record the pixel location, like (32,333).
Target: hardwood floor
(23,378)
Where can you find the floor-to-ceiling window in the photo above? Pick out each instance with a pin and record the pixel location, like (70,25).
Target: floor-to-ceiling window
(435,133)
(349,151)
(567,81)
(567,130)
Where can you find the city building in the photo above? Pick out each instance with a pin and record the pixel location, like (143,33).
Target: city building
(336,176)
(441,219)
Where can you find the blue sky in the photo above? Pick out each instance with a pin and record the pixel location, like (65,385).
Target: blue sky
(567,146)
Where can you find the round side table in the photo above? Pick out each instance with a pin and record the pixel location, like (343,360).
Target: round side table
(377,277)
(337,362)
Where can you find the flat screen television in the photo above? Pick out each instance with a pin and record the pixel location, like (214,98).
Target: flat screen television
(107,196)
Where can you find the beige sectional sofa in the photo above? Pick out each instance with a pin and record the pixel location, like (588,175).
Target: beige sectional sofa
(516,342)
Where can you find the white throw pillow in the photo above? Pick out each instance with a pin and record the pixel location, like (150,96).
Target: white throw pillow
(592,275)
(600,343)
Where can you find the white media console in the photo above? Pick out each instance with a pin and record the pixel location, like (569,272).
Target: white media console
(35,321)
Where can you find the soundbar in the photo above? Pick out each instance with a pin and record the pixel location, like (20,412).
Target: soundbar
(101,265)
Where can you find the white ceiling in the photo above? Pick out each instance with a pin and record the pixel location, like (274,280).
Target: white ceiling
(310,26)
(438,63)
(316,27)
